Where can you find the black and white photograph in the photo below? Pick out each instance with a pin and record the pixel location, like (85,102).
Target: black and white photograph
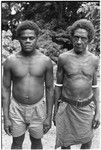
(50,75)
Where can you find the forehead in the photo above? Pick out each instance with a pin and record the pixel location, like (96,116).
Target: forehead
(81,32)
(27,32)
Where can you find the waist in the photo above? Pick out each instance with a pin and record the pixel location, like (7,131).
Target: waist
(27,100)
(17,103)
(79,102)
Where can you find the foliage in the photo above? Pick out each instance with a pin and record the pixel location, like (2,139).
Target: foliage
(54,18)
(49,15)
(91,11)
(8,45)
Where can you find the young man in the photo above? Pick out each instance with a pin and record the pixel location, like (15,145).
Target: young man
(77,90)
(26,73)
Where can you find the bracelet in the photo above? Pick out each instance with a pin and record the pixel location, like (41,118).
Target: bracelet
(60,85)
(94,86)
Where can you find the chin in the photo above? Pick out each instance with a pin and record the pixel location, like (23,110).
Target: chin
(79,52)
(27,52)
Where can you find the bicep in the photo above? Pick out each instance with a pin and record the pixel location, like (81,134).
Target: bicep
(6,75)
(95,74)
(94,82)
(49,75)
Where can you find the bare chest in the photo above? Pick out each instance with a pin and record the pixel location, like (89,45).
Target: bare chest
(76,66)
(22,68)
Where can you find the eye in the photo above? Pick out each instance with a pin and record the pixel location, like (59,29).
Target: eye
(76,38)
(83,38)
(32,38)
(25,38)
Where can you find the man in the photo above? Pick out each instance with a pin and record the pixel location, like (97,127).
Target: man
(76,90)
(27,72)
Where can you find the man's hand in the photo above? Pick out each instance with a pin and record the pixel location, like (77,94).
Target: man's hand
(47,125)
(96,121)
(8,126)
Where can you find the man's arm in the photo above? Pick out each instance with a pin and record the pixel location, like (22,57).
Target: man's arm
(58,86)
(6,92)
(49,95)
(96,120)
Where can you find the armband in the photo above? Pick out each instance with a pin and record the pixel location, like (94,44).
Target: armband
(94,86)
(59,85)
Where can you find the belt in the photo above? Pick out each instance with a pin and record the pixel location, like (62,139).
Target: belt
(78,103)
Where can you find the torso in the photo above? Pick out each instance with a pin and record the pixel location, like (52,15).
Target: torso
(28,78)
(78,76)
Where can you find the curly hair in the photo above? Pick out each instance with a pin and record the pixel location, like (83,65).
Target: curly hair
(84,24)
(27,24)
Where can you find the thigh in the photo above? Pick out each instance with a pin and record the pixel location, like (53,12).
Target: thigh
(36,131)
(18,124)
(37,119)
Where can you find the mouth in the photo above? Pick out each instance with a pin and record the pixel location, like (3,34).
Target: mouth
(78,46)
(28,46)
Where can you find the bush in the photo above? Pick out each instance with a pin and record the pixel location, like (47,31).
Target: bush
(9,46)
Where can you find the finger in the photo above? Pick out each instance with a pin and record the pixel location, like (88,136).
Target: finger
(7,131)
(45,129)
(96,124)
(54,123)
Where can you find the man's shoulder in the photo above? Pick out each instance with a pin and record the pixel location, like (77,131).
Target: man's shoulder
(42,56)
(9,61)
(93,56)
(94,59)
(65,55)
(45,59)
(10,58)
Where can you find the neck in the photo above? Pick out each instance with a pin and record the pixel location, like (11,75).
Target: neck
(80,53)
(28,54)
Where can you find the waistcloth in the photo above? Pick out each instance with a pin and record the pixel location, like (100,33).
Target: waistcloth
(78,103)
(27,117)
(74,124)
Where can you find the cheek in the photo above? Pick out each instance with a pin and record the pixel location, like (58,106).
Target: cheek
(22,43)
(85,44)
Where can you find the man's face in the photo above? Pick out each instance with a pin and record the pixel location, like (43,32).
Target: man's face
(80,40)
(28,41)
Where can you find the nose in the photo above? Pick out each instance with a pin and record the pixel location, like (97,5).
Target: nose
(79,40)
(28,40)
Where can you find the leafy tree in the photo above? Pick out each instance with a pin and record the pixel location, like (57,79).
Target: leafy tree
(56,13)
(54,18)
(91,11)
